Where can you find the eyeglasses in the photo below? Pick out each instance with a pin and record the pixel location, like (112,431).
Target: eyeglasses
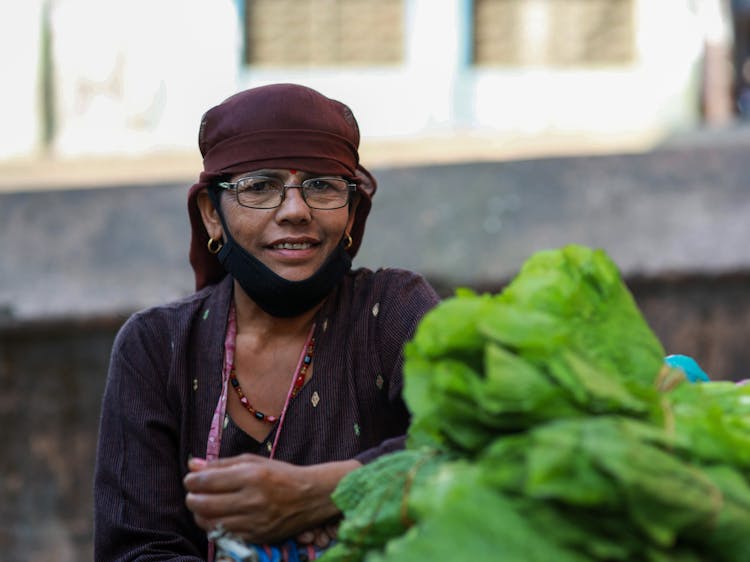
(261,192)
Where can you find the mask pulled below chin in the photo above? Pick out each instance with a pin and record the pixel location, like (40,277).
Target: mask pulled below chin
(274,294)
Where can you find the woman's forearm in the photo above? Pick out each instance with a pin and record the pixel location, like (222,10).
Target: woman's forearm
(323,479)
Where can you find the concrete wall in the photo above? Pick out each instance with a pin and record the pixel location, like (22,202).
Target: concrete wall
(680,210)
(52,376)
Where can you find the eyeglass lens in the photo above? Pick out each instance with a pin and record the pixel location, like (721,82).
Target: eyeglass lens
(318,193)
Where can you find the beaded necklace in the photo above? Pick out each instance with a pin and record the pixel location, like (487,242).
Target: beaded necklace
(215,431)
(299,381)
(217,421)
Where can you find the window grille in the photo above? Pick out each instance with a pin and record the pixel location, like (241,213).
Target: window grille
(554,32)
(323,32)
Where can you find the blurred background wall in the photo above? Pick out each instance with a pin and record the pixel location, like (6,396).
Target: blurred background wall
(496,128)
(95,77)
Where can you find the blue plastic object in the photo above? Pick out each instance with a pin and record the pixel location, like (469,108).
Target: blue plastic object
(689,366)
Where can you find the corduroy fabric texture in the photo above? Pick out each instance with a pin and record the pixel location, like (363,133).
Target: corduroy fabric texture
(165,379)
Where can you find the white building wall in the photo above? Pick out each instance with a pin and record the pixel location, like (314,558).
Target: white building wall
(21,126)
(136,76)
(436,91)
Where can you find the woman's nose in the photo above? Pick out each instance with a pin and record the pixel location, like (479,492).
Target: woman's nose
(293,207)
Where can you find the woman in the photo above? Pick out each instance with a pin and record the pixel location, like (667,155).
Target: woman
(242,406)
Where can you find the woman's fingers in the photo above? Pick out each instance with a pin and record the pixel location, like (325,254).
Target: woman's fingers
(237,525)
(197,463)
(322,540)
(249,499)
(216,477)
(320,536)
(211,506)
(306,537)
(268,498)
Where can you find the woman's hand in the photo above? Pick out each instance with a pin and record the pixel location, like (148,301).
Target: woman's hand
(263,500)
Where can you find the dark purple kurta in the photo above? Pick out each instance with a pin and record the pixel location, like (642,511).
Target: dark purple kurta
(165,379)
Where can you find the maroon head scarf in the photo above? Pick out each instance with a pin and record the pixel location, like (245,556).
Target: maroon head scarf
(276,126)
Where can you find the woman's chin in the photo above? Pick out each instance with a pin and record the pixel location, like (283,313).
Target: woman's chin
(294,273)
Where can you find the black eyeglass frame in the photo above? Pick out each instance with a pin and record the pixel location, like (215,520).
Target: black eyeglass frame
(232,186)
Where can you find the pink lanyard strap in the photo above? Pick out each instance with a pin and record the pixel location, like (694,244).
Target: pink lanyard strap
(217,422)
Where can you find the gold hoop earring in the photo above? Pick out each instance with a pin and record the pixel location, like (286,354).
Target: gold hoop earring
(348,242)
(214,246)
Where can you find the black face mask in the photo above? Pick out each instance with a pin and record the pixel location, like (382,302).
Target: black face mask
(271,292)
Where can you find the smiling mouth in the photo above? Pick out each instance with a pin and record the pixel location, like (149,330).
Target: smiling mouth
(292,246)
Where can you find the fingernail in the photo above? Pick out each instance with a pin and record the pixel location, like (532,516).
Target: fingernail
(197,462)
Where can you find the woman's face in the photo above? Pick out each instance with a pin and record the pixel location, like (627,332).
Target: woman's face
(292,240)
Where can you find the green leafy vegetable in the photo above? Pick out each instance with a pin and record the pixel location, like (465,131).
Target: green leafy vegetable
(546,426)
